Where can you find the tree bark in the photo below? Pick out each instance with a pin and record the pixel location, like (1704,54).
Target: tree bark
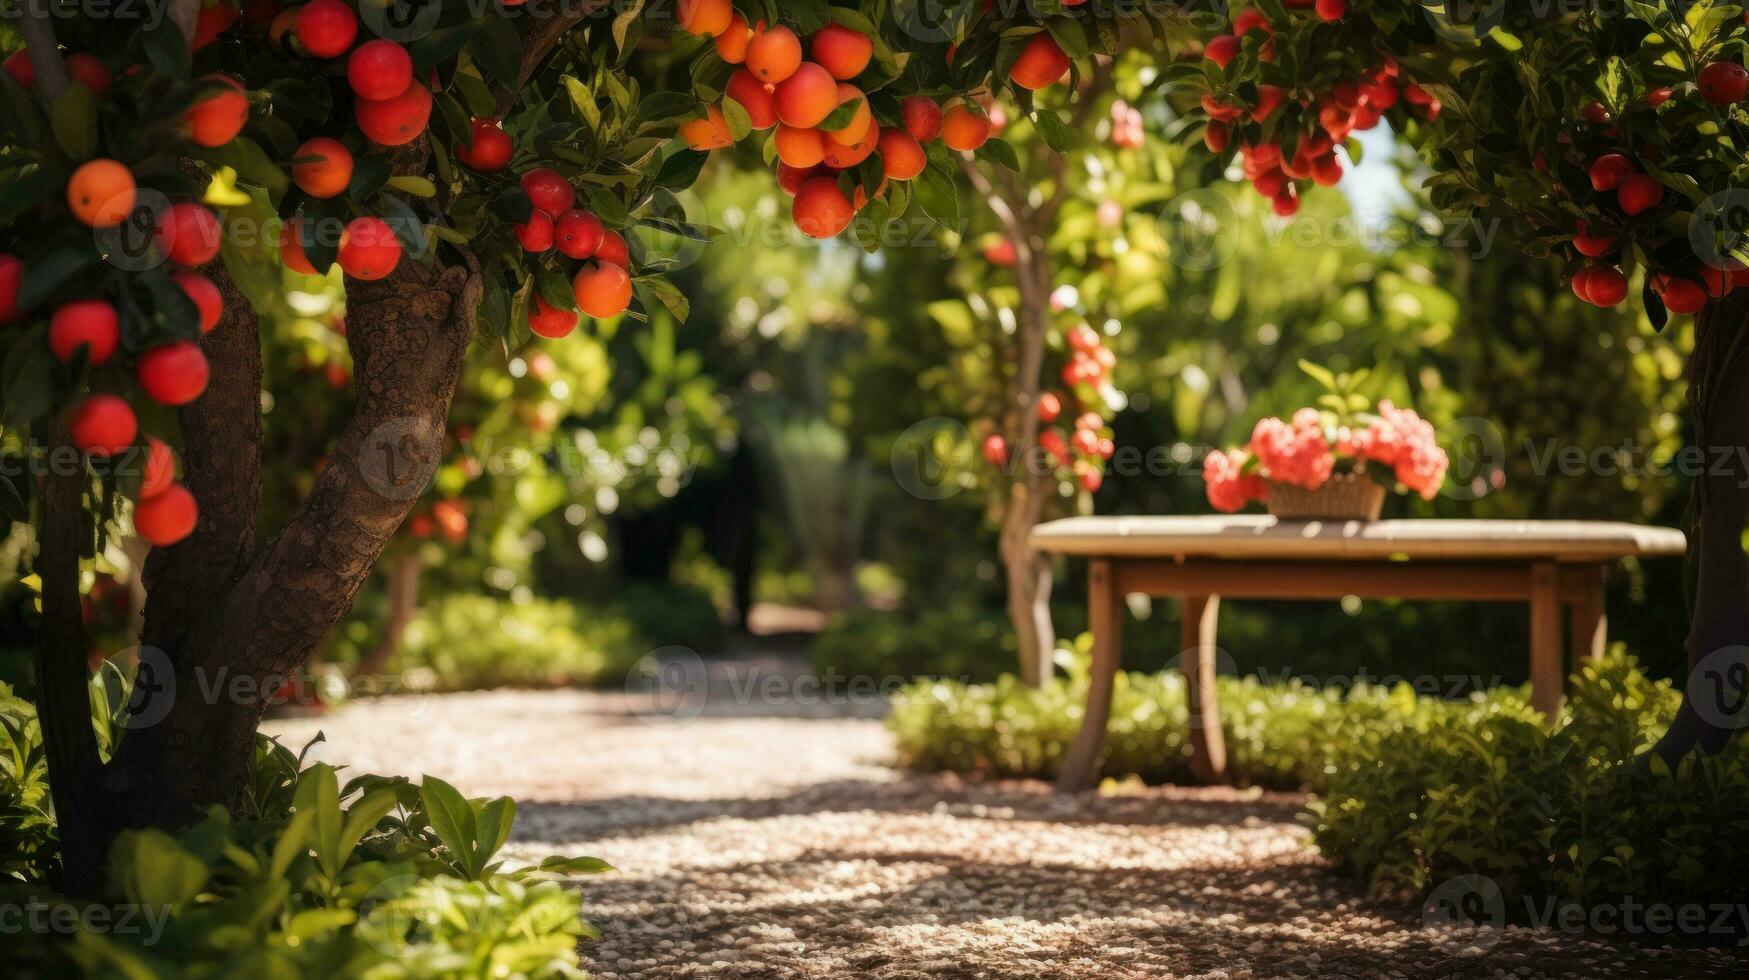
(1718,638)
(403,604)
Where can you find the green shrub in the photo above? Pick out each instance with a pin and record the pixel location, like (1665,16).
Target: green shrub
(1278,735)
(1577,814)
(473,641)
(958,641)
(373,877)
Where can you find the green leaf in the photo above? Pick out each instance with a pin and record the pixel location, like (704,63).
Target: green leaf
(167,48)
(450,815)
(576,866)
(1001,153)
(74,121)
(497,50)
(1056,133)
(666,293)
(939,196)
(416,186)
(841,116)
(362,818)
(555,288)
(681,170)
(495,820)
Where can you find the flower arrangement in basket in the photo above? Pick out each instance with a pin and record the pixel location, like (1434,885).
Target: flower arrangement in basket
(1330,463)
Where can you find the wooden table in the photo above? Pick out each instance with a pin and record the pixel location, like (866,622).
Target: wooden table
(1548,564)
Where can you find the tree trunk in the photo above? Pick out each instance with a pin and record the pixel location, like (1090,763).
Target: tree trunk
(226,623)
(1718,637)
(1028,576)
(403,603)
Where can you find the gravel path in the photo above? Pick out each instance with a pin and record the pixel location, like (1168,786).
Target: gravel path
(757,841)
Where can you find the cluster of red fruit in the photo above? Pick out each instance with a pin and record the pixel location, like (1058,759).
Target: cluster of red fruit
(602,284)
(447,517)
(1603,283)
(1351,105)
(823,123)
(1084,449)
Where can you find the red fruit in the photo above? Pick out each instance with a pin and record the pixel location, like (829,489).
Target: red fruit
(323,167)
(536,234)
(102,425)
(1002,253)
(1590,245)
(774,54)
(206,298)
(1041,63)
(369,249)
(790,179)
(841,157)
(1218,110)
(326,28)
(1251,19)
(613,250)
(1658,97)
(1269,99)
(922,118)
(1683,295)
(1084,339)
(395,121)
(807,97)
(1609,170)
(189,234)
(1581,282)
(218,118)
(548,191)
(550,322)
(1216,136)
(211,22)
(173,373)
(901,156)
(19,66)
(1049,407)
(1287,203)
(291,250)
(159,472)
(1595,113)
(995,450)
(11,277)
(168,517)
(1269,183)
(842,51)
(1222,49)
(1327,171)
(1332,9)
(964,129)
(491,149)
(1606,286)
(88,323)
(379,70)
(603,290)
(821,210)
(1639,193)
(578,233)
(1723,83)
(733,43)
(1091,479)
(89,72)
(759,101)
(1716,281)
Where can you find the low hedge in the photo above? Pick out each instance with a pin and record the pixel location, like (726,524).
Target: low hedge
(1412,793)
(470,642)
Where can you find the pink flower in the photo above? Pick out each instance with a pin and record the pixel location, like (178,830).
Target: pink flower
(1299,454)
(1405,441)
(1230,488)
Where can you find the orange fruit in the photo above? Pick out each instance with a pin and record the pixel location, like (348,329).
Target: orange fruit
(369,249)
(964,128)
(102,425)
(791,179)
(205,296)
(291,250)
(842,51)
(613,249)
(218,118)
(1042,63)
(322,167)
(174,373)
(841,157)
(159,471)
(167,517)
(101,193)
(708,133)
(807,97)
(705,16)
(550,322)
(88,324)
(800,148)
(774,54)
(922,117)
(755,96)
(732,44)
(396,121)
(902,156)
(603,289)
(821,209)
(853,131)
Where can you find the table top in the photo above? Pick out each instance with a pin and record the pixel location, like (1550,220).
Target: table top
(1263,537)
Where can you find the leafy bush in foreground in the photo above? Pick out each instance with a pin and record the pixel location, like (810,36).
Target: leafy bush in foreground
(373,877)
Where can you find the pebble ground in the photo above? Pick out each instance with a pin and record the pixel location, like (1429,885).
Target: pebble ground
(769,839)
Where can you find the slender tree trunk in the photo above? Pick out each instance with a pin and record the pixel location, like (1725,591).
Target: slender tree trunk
(1718,638)
(403,604)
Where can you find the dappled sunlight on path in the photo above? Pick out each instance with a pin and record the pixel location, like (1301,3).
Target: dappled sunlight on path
(768,846)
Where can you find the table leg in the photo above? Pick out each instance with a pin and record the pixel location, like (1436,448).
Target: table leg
(1208,745)
(1105,619)
(1547,678)
(1590,622)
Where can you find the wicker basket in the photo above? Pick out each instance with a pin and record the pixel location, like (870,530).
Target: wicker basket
(1345,497)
